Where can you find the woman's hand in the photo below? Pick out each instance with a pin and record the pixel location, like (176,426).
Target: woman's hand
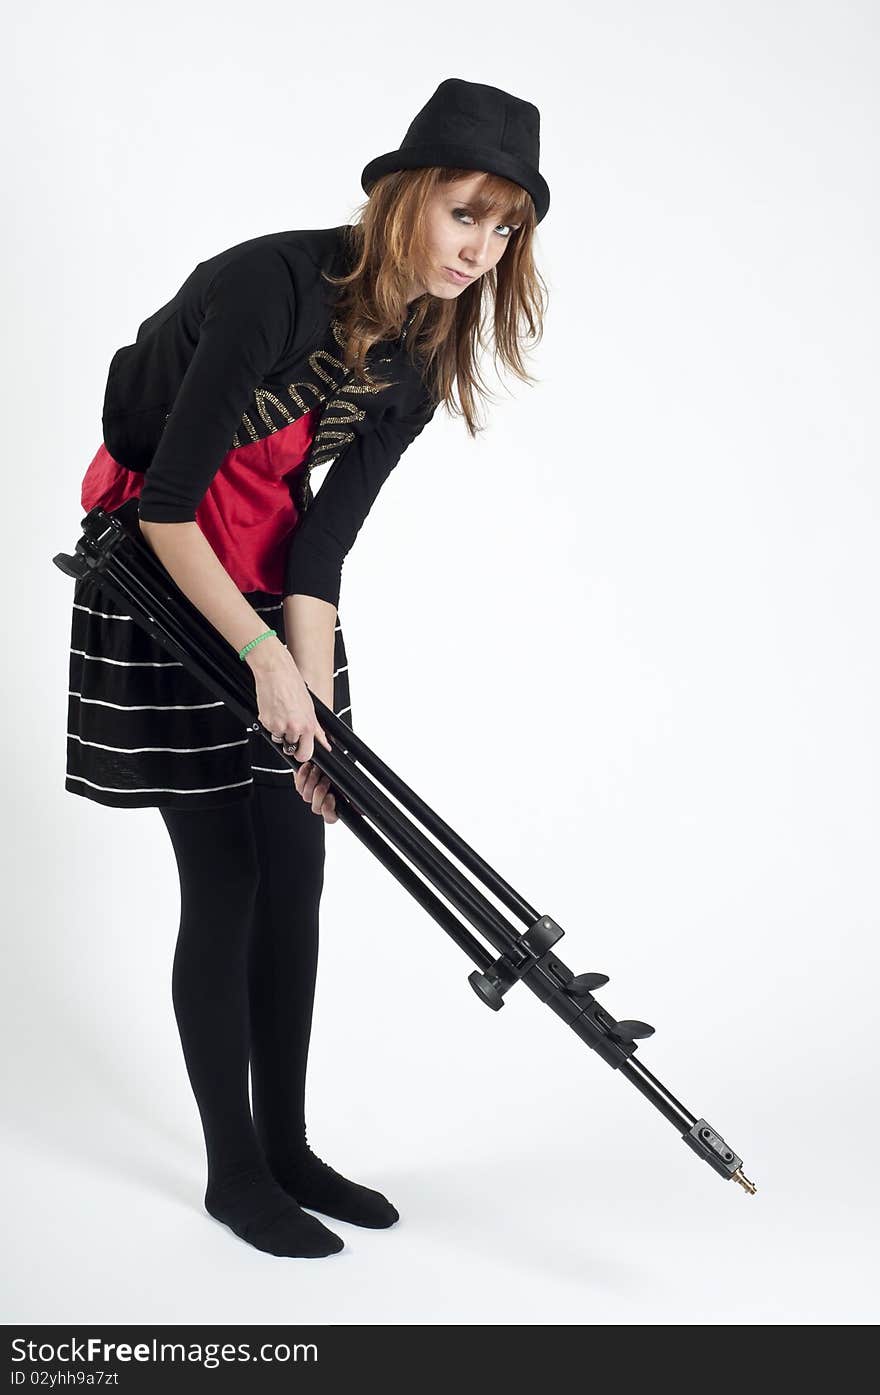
(284,705)
(310,782)
(314,788)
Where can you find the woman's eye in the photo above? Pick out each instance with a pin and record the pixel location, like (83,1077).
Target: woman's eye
(464,213)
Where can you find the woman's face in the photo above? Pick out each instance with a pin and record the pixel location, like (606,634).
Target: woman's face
(457,242)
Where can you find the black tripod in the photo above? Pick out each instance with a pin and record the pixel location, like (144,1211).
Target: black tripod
(131,573)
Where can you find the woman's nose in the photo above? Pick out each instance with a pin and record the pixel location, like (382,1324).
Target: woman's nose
(476,255)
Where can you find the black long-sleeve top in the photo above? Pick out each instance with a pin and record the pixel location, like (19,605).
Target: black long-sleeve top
(247,345)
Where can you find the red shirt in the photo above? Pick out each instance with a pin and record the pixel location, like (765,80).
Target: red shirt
(247,514)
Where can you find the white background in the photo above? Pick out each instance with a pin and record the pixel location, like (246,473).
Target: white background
(625,643)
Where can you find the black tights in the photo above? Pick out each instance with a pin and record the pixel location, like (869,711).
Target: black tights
(243,984)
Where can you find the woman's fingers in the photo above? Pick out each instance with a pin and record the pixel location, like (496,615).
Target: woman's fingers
(315,790)
(323,802)
(306,778)
(320,793)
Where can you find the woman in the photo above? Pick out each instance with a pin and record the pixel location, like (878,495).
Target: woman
(280,353)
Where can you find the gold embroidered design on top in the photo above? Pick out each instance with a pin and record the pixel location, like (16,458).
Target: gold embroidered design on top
(263,396)
(329,383)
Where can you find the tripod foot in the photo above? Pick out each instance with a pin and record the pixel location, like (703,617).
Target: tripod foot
(486,989)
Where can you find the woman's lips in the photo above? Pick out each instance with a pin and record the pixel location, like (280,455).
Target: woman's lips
(456,277)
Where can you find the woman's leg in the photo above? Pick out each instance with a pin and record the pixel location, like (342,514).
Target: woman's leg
(219,869)
(283,967)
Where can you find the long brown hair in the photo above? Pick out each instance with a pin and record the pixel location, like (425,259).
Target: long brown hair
(387,251)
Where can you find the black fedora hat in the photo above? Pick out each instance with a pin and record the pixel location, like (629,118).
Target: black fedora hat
(468,125)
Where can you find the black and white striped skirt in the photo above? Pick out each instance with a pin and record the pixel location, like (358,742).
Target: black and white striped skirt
(142,730)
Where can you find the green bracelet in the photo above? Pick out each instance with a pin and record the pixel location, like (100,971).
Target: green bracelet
(242,652)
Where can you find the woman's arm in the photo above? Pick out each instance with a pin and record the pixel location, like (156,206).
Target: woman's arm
(248,319)
(283,702)
(309,623)
(192,563)
(327,530)
(310,627)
